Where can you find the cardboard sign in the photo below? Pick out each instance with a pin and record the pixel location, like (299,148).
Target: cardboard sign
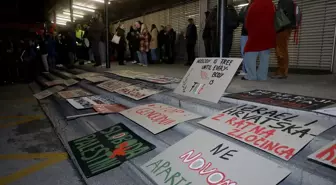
(113,85)
(70,82)
(330,110)
(85,75)
(205,159)
(279,133)
(326,155)
(128,73)
(54,82)
(158,117)
(96,79)
(283,99)
(138,92)
(107,149)
(74,93)
(88,102)
(159,79)
(48,92)
(208,78)
(109,108)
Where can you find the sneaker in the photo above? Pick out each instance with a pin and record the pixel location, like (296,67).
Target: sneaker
(140,64)
(144,65)
(242,73)
(134,62)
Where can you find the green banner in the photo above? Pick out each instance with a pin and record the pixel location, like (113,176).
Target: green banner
(107,149)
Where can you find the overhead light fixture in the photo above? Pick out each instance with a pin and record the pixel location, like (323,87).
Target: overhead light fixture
(102,1)
(63,19)
(61,23)
(75,15)
(84,8)
(241,5)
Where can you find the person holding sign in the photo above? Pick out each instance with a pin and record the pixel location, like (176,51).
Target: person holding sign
(261,38)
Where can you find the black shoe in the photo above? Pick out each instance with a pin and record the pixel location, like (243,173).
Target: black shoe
(243,78)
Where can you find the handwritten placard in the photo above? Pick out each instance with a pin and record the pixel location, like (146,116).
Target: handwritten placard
(112,85)
(208,78)
(139,91)
(158,117)
(203,158)
(282,134)
(48,92)
(74,93)
(326,155)
(96,79)
(283,99)
(85,75)
(88,102)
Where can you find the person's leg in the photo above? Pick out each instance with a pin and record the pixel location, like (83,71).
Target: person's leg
(45,62)
(207,47)
(144,58)
(139,54)
(243,41)
(262,71)
(193,55)
(281,49)
(71,56)
(153,55)
(250,59)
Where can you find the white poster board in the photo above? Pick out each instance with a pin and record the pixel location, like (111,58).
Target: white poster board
(113,85)
(48,92)
(88,102)
(74,93)
(128,73)
(138,92)
(158,117)
(205,159)
(326,155)
(208,78)
(331,110)
(96,79)
(279,133)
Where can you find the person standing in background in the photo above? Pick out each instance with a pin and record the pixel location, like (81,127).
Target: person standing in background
(144,46)
(207,36)
(131,44)
(243,38)
(191,37)
(121,47)
(261,38)
(70,46)
(170,45)
(44,52)
(282,39)
(231,23)
(161,42)
(95,33)
(51,51)
(154,43)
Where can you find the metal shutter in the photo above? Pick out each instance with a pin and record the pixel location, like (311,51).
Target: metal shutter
(212,4)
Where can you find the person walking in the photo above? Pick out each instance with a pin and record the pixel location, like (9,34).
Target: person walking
(282,39)
(244,35)
(207,36)
(191,37)
(144,46)
(121,47)
(154,44)
(261,38)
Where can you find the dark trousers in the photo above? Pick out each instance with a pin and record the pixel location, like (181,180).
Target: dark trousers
(227,44)
(96,53)
(191,52)
(121,55)
(207,45)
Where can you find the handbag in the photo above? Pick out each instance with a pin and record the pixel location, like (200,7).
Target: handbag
(116,39)
(280,20)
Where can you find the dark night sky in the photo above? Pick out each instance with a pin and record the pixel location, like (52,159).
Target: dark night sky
(23,11)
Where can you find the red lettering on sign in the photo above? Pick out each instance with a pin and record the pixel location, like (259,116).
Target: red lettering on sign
(217,118)
(328,154)
(155,116)
(120,151)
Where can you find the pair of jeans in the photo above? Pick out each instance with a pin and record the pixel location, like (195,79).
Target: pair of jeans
(243,41)
(250,61)
(142,57)
(44,58)
(154,54)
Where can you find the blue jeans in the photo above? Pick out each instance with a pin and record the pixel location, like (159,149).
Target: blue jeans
(250,61)
(243,40)
(154,54)
(142,57)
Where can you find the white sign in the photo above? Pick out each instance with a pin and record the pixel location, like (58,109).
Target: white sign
(159,79)
(282,134)
(70,82)
(85,75)
(208,78)
(88,102)
(128,73)
(48,92)
(74,93)
(96,79)
(158,117)
(205,159)
(326,155)
(331,110)
(138,92)
(113,85)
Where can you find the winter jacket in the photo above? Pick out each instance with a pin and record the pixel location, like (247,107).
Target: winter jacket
(191,34)
(289,9)
(242,17)
(260,26)
(154,39)
(95,31)
(144,42)
(162,38)
(121,33)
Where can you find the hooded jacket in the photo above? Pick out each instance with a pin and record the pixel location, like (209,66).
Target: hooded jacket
(260,26)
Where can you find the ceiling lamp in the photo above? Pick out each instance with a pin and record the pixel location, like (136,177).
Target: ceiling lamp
(241,5)
(63,19)
(75,15)
(61,23)
(102,1)
(83,8)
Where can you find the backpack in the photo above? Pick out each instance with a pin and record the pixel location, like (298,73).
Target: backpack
(298,21)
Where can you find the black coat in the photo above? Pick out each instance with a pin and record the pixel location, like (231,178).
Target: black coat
(191,34)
